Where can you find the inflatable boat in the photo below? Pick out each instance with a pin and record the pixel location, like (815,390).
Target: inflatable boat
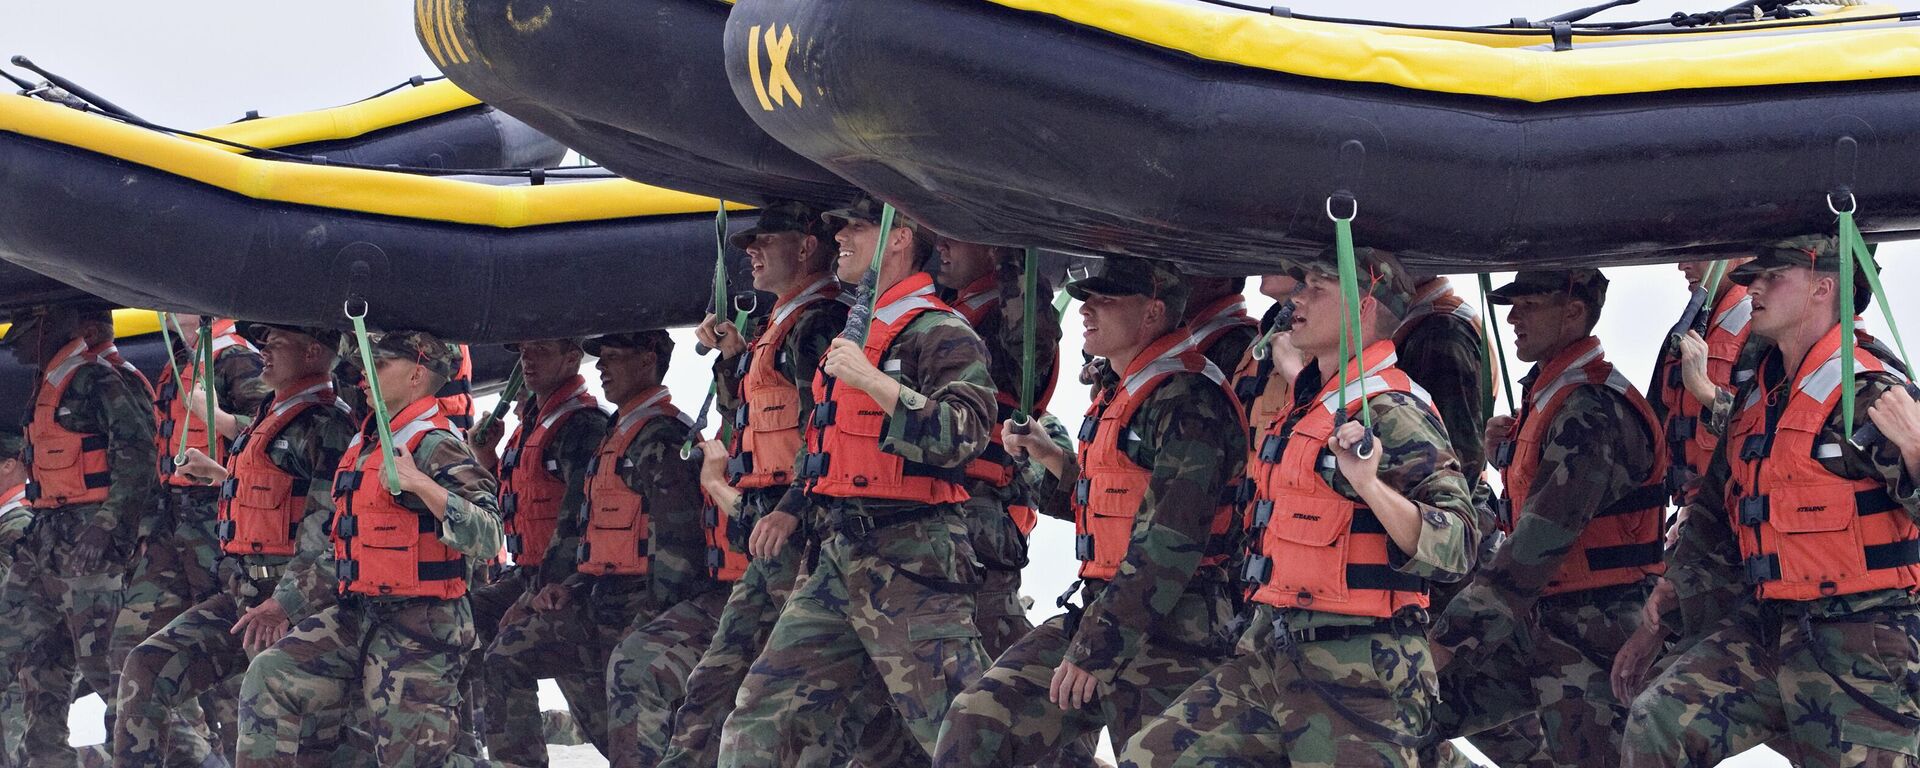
(145,218)
(636,85)
(1225,133)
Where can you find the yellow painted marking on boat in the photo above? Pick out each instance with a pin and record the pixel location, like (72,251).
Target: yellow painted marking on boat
(424,22)
(534,24)
(458,51)
(753,68)
(779,80)
(127,323)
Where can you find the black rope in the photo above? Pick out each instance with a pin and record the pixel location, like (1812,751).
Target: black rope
(1621,28)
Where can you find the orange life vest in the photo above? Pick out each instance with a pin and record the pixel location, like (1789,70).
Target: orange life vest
(170,410)
(1261,388)
(261,505)
(995,466)
(1111,488)
(1622,542)
(618,526)
(1213,322)
(766,432)
(1806,533)
(64,467)
(1316,549)
(456,396)
(13,499)
(381,548)
(531,487)
(844,459)
(1690,444)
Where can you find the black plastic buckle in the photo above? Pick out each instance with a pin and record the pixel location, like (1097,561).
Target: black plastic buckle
(1088,428)
(1248,388)
(1756,447)
(814,465)
(1083,546)
(584,553)
(1682,429)
(346,571)
(1262,514)
(509,504)
(224,529)
(347,482)
(710,516)
(1244,491)
(515,544)
(1755,510)
(1257,569)
(1503,454)
(740,415)
(229,487)
(1271,448)
(824,414)
(509,460)
(738,466)
(33,489)
(1082,489)
(714,558)
(1762,568)
(346,526)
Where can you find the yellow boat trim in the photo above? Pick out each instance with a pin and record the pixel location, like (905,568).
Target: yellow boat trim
(127,323)
(345,122)
(1471,64)
(382,193)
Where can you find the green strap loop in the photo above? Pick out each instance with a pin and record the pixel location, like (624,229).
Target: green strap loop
(1029,295)
(387,471)
(515,382)
(1863,259)
(870,284)
(206,383)
(719,310)
(720,261)
(1490,328)
(1847,235)
(1060,302)
(166,337)
(1350,349)
(1715,272)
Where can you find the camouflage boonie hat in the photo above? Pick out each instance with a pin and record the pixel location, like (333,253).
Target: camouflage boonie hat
(1379,273)
(782,217)
(657,341)
(868,210)
(1820,253)
(13,444)
(416,346)
(257,333)
(1584,283)
(1133,276)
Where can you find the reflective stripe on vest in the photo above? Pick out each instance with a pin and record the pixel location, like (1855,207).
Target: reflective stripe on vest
(767,434)
(531,487)
(1111,488)
(1806,533)
(618,526)
(1214,321)
(64,467)
(381,548)
(995,465)
(261,505)
(170,411)
(1622,542)
(844,459)
(1319,550)
(1690,444)
(13,499)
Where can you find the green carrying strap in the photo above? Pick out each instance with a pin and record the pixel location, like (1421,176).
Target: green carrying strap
(719,310)
(1029,340)
(1490,332)
(860,321)
(515,382)
(1714,274)
(1855,255)
(1350,340)
(387,471)
(206,383)
(166,337)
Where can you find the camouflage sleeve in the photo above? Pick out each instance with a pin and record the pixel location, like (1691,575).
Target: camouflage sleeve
(1883,460)
(1232,346)
(943,370)
(104,402)
(819,324)
(13,527)
(1417,461)
(1597,453)
(237,373)
(472,522)
(1043,489)
(1192,459)
(1009,339)
(574,446)
(1443,356)
(313,443)
(676,543)
(1717,417)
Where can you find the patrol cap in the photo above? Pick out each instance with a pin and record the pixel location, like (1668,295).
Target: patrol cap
(1820,253)
(782,217)
(13,443)
(1133,276)
(1583,283)
(574,341)
(257,333)
(417,346)
(1379,273)
(30,318)
(657,341)
(868,210)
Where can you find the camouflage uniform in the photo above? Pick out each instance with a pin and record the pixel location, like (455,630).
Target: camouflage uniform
(756,599)
(1308,688)
(1517,652)
(1147,634)
(889,604)
(189,512)
(404,655)
(520,638)
(198,652)
(1758,669)
(30,725)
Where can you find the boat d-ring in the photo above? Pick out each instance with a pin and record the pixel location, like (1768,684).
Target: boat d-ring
(1852,204)
(746,303)
(1351,200)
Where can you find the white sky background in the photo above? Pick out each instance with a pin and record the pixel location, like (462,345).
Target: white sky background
(208,62)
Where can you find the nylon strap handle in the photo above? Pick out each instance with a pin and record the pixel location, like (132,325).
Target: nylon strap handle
(1715,273)
(1854,254)
(1490,327)
(166,337)
(515,382)
(1863,259)
(206,383)
(1029,340)
(687,450)
(387,471)
(860,320)
(1350,341)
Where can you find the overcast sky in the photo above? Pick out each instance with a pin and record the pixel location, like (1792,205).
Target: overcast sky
(202,63)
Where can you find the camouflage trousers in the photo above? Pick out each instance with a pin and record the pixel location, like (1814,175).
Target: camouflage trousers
(1005,718)
(1266,706)
(490,603)
(1002,548)
(1842,691)
(399,659)
(571,646)
(998,612)
(196,656)
(34,704)
(752,606)
(193,514)
(888,614)
(1557,667)
(647,676)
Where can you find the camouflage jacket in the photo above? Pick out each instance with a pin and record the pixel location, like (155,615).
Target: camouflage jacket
(676,539)
(1597,450)
(109,401)
(574,444)
(1005,338)
(13,528)
(1038,483)
(1442,355)
(237,386)
(309,448)
(1227,350)
(1192,460)
(1704,564)
(800,354)
(1418,462)
(943,416)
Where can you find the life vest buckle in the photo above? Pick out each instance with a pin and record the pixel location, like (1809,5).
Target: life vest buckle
(346,526)
(1257,569)
(33,488)
(1083,547)
(1756,447)
(714,558)
(515,544)
(1262,514)
(738,466)
(1681,429)
(710,516)
(1088,429)
(1755,510)
(224,530)
(1271,448)
(509,504)
(1082,490)
(1761,568)
(1503,454)
(346,482)
(346,571)
(741,414)
(824,414)
(509,460)
(814,465)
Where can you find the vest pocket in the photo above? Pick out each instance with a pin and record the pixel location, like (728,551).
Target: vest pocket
(56,450)
(1817,542)
(1308,539)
